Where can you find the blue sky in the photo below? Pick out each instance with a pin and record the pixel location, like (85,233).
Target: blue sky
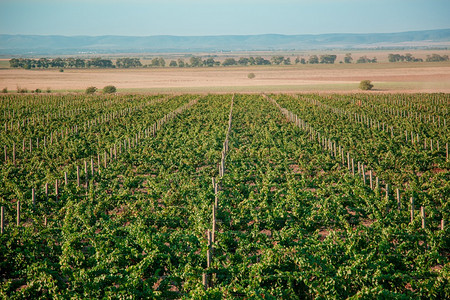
(219,17)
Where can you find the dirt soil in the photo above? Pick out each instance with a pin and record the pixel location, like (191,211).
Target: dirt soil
(390,77)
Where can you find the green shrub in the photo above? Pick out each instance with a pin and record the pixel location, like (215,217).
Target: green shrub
(365,85)
(22,90)
(251,75)
(38,91)
(91,90)
(5,90)
(109,89)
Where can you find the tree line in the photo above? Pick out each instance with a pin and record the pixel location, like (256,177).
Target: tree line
(73,63)
(409,58)
(197,61)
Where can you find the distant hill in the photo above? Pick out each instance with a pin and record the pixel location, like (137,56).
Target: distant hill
(54,45)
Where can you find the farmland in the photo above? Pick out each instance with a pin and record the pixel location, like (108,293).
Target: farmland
(406,77)
(232,195)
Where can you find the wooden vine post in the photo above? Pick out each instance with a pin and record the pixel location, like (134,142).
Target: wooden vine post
(422,213)
(2,220)
(205,277)
(14,153)
(33,197)
(18,213)
(92,167)
(86,174)
(363,171)
(353,167)
(56,189)
(78,175)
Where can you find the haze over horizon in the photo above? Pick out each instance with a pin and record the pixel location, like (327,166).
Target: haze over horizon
(219,17)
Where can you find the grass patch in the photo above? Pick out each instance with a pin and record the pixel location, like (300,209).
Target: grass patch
(4,64)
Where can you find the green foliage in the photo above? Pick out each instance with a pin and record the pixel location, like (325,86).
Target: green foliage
(365,85)
(365,59)
(22,90)
(407,57)
(292,220)
(251,75)
(277,60)
(109,89)
(210,62)
(99,63)
(5,90)
(229,62)
(243,61)
(181,63)
(348,58)
(437,58)
(128,62)
(91,90)
(195,61)
(158,62)
(313,59)
(327,59)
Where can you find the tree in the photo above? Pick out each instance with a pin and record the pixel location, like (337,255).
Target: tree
(365,59)
(313,59)
(277,60)
(173,63)
(243,61)
(229,62)
(109,89)
(365,85)
(57,63)
(128,62)
(327,59)
(43,63)
(436,58)
(181,63)
(348,58)
(80,63)
(409,57)
(100,63)
(261,61)
(158,62)
(251,75)
(287,61)
(210,62)
(297,60)
(91,90)
(303,61)
(196,61)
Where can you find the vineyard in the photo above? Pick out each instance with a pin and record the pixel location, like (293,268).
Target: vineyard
(225,196)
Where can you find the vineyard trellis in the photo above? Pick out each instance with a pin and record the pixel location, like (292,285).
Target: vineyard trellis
(312,196)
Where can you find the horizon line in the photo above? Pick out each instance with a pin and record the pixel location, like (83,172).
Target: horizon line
(222,35)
